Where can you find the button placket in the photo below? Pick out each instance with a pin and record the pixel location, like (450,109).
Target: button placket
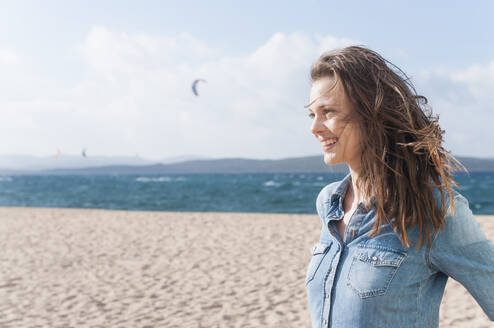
(355,223)
(330,283)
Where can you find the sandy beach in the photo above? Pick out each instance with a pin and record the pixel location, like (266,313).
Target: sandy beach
(97,268)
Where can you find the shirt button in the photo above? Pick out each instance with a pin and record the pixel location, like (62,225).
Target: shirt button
(327,295)
(374,258)
(325,322)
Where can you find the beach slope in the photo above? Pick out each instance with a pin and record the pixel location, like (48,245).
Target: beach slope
(97,268)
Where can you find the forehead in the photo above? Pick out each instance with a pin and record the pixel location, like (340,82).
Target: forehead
(325,91)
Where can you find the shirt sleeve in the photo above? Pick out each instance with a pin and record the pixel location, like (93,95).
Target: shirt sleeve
(463,252)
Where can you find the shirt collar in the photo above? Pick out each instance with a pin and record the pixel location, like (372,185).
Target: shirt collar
(341,189)
(335,207)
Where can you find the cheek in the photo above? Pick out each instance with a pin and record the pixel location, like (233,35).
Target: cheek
(334,126)
(343,130)
(351,135)
(355,140)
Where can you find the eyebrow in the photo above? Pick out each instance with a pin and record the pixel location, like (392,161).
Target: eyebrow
(309,104)
(325,93)
(320,106)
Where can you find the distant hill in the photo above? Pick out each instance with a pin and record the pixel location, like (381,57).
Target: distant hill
(233,165)
(67,161)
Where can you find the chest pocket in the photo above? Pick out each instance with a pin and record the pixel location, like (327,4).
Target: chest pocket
(373,269)
(318,252)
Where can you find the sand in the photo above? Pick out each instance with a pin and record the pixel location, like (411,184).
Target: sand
(97,268)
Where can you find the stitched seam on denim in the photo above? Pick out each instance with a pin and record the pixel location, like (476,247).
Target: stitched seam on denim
(401,258)
(392,275)
(360,223)
(311,274)
(428,250)
(419,296)
(362,294)
(383,248)
(333,275)
(357,224)
(323,254)
(329,274)
(322,307)
(376,291)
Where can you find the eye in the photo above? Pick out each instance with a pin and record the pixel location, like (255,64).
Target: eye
(325,111)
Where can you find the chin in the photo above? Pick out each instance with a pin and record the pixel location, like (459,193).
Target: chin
(331,160)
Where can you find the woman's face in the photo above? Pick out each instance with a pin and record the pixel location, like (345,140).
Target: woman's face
(329,108)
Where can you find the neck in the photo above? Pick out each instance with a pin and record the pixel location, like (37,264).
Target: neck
(358,194)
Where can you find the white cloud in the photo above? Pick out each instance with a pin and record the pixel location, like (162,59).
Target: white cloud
(478,79)
(463,98)
(7,57)
(112,53)
(136,97)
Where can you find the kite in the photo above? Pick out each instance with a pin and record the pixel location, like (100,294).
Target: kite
(194,85)
(84,152)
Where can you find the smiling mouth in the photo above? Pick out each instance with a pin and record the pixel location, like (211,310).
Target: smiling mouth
(329,143)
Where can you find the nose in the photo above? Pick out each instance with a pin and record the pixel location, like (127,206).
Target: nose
(317,126)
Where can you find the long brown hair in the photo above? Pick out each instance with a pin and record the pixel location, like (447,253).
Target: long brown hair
(403,159)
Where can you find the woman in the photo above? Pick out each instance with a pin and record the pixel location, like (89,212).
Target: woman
(393,229)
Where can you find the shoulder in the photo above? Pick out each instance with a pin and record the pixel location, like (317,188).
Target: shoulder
(459,215)
(456,206)
(461,226)
(437,196)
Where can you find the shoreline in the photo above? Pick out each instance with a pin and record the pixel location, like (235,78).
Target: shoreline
(481,216)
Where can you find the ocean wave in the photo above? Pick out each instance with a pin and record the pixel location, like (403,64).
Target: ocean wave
(7,179)
(154,179)
(271,183)
(160,179)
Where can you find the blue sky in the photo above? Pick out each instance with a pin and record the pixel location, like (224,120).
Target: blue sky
(114,76)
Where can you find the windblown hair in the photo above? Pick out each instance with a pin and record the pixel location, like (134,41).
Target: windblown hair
(402,159)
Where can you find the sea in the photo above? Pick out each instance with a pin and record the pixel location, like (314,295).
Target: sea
(246,192)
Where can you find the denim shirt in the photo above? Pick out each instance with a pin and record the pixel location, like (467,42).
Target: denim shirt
(376,282)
